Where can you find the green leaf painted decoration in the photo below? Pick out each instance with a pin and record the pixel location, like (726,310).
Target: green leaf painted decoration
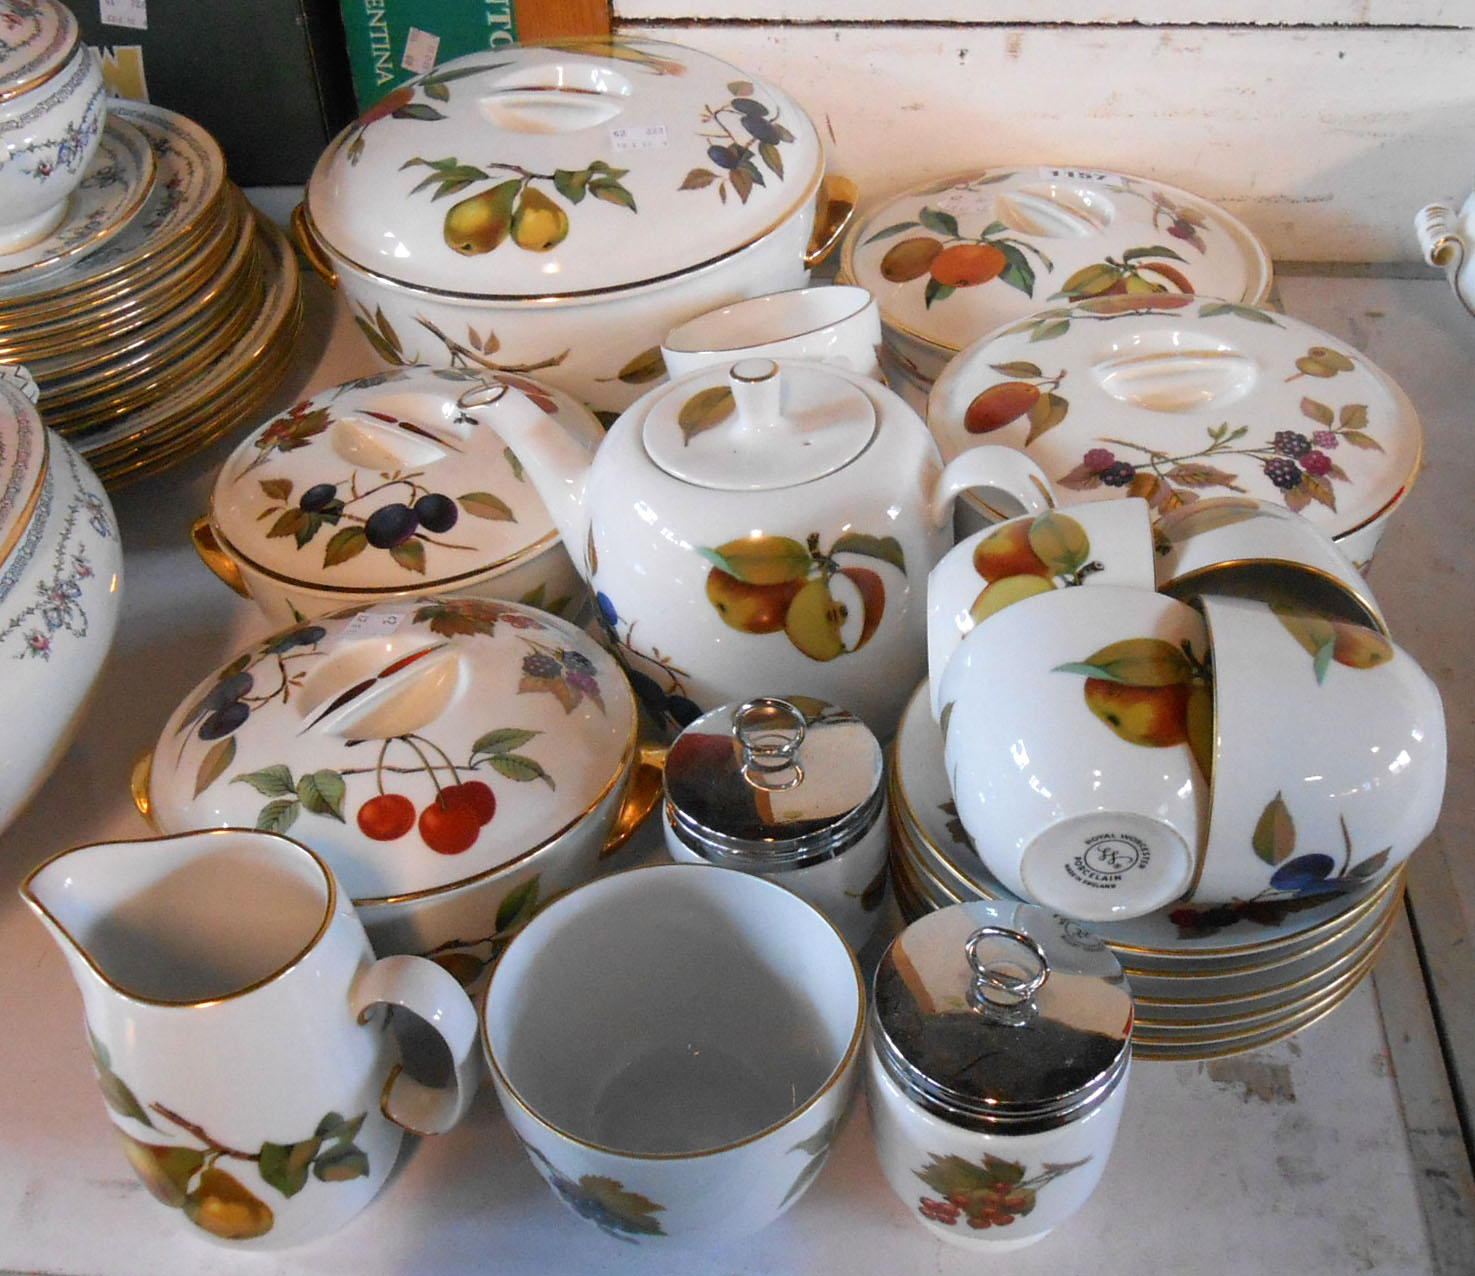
(271,781)
(345,543)
(410,555)
(887,548)
(322,793)
(214,764)
(286,1166)
(485,505)
(502,740)
(704,410)
(648,365)
(1274,838)
(115,1091)
(517,906)
(1135,662)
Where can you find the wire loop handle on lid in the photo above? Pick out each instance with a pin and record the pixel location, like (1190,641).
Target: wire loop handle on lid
(770,731)
(1001,984)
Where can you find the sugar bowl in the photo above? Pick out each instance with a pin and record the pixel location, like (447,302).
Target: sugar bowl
(789,789)
(996,1068)
(52,106)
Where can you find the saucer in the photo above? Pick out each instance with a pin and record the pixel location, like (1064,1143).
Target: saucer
(111,194)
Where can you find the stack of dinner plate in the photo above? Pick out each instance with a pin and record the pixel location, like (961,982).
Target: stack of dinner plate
(1207,981)
(161,311)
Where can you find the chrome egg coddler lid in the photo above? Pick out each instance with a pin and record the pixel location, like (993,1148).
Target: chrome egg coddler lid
(773,784)
(1004,1018)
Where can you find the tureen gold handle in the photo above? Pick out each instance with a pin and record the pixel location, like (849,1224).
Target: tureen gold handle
(138,785)
(215,558)
(837,198)
(642,791)
(308,243)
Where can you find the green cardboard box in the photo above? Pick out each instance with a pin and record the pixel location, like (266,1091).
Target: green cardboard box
(391,41)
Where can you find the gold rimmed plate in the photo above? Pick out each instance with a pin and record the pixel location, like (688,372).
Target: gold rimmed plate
(134,303)
(222,399)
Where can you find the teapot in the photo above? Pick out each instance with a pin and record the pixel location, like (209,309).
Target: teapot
(765,523)
(238,1026)
(1447,239)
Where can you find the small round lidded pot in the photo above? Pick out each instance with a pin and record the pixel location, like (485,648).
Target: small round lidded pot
(996,1069)
(788,789)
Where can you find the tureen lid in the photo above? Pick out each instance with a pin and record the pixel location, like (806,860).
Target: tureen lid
(1002,1016)
(954,259)
(414,745)
(571,167)
(1209,398)
(386,483)
(773,784)
(758,424)
(36,38)
(22,456)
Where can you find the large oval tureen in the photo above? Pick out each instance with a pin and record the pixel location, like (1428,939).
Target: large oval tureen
(558,208)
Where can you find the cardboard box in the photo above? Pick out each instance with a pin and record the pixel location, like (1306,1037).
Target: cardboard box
(391,41)
(268,80)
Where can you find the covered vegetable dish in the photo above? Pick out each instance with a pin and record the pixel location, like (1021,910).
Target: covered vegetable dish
(456,761)
(385,487)
(557,208)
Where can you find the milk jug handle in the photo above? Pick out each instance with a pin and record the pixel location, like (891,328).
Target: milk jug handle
(429,991)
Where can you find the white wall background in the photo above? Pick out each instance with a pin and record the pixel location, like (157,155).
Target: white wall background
(1324,131)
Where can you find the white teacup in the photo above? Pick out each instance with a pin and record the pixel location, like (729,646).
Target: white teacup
(1238,545)
(1103,543)
(835,323)
(676,1047)
(1329,758)
(1069,723)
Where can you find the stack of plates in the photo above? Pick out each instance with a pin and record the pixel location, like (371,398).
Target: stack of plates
(1207,981)
(161,312)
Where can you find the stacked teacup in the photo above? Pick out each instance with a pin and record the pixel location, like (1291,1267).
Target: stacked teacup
(1217,714)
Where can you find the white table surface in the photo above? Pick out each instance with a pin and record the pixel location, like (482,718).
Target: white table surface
(1314,1155)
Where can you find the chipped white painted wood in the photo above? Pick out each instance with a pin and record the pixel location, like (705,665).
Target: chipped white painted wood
(1249,12)
(1325,140)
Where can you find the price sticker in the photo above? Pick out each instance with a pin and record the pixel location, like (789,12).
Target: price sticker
(421,50)
(644,137)
(374,624)
(125,13)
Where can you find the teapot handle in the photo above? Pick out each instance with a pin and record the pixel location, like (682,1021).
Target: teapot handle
(425,989)
(1002,469)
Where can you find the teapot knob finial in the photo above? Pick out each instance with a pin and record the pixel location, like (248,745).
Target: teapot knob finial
(755,390)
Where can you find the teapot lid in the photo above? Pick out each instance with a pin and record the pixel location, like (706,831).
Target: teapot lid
(22,459)
(759,424)
(572,167)
(36,38)
(1002,1016)
(387,483)
(773,784)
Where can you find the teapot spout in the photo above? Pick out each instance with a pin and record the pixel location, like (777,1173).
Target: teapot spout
(556,460)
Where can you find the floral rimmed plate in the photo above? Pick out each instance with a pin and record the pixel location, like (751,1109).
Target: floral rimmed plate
(110,195)
(1222,935)
(956,258)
